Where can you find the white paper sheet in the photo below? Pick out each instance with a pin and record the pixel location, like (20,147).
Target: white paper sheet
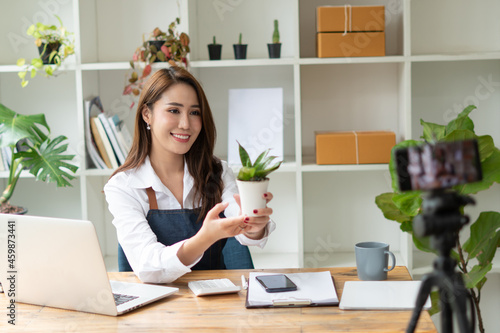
(256,121)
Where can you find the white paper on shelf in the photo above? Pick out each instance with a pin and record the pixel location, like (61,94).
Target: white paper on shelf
(256,122)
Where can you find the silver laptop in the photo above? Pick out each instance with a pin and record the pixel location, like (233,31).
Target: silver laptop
(58,263)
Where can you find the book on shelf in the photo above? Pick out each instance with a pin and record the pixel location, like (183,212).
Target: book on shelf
(122,134)
(111,134)
(92,108)
(101,141)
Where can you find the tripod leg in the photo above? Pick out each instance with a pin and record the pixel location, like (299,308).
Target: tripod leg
(425,288)
(459,306)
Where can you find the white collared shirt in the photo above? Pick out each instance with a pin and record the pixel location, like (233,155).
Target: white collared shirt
(128,203)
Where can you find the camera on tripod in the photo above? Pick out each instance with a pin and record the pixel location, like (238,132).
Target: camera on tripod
(436,168)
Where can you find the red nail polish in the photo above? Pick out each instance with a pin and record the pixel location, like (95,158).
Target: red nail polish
(255,211)
(247,219)
(265,195)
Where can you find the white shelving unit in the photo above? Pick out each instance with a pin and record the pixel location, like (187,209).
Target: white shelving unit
(436,64)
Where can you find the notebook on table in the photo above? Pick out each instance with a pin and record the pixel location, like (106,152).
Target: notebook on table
(58,263)
(381,295)
(313,289)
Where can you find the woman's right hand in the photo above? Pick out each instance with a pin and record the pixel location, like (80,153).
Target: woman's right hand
(213,229)
(217,228)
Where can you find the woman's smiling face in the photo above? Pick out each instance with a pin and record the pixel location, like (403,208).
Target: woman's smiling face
(175,120)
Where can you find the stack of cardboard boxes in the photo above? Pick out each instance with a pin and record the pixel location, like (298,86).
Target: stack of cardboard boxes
(350,31)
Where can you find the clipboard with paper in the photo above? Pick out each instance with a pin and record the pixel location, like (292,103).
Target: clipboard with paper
(313,289)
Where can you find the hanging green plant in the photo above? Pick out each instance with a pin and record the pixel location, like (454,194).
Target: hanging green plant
(54,44)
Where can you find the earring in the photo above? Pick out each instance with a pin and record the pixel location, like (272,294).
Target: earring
(148,127)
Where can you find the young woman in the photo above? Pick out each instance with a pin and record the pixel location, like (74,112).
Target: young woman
(174,204)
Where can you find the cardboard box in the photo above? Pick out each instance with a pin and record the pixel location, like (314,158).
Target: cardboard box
(348,19)
(350,31)
(354,147)
(352,44)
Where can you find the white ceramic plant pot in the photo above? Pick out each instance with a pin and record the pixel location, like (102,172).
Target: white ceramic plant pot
(252,195)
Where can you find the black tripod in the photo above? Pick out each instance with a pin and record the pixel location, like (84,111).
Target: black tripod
(442,220)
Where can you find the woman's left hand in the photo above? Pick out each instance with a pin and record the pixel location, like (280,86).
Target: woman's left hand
(254,226)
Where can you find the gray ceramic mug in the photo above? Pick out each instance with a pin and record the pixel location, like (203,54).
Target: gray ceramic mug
(372,259)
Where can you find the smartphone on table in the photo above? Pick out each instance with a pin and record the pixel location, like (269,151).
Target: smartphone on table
(276,283)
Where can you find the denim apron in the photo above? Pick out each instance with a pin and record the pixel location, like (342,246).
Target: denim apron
(175,225)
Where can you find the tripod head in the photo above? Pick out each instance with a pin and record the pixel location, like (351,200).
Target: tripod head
(441,218)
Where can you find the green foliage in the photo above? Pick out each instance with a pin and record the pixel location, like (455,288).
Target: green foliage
(259,169)
(174,50)
(214,41)
(276,33)
(56,40)
(240,39)
(480,248)
(28,137)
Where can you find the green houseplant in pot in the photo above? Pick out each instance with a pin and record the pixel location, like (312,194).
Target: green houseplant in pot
(54,44)
(476,253)
(27,138)
(252,180)
(214,50)
(240,49)
(274,48)
(171,46)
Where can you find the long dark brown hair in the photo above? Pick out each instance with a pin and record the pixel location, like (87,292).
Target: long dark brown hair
(204,167)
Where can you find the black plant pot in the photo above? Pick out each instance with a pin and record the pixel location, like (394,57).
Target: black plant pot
(240,51)
(214,51)
(45,55)
(274,50)
(157,44)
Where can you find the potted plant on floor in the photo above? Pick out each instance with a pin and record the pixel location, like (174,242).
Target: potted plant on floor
(252,180)
(240,50)
(214,50)
(171,46)
(54,44)
(25,140)
(476,254)
(274,48)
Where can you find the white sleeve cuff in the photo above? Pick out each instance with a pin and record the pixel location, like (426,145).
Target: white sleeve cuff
(244,240)
(173,267)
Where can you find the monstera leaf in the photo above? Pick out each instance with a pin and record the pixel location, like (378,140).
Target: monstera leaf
(28,137)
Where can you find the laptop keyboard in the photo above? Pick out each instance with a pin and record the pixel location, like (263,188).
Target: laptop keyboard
(120,298)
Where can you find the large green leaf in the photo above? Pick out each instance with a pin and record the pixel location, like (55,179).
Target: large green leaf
(459,135)
(486,146)
(475,276)
(462,122)
(386,204)
(15,127)
(408,202)
(484,237)
(432,132)
(423,244)
(491,174)
(48,164)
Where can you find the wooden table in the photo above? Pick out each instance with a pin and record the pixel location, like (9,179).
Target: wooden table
(184,312)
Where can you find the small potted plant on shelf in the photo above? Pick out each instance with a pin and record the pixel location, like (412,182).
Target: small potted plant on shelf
(54,44)
(274,48)
(476,254)
(171,47)
(240,50)
(252,180)
(214,50)
(26,144)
